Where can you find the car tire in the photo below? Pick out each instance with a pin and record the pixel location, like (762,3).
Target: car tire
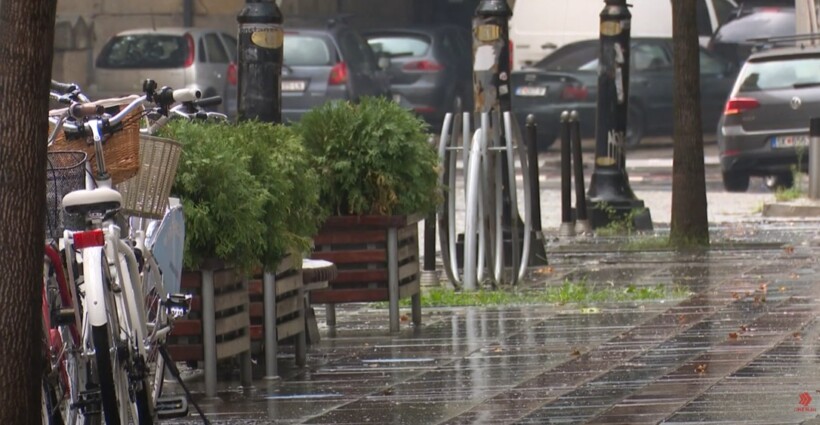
(780,181)
(635,127)
(734,181)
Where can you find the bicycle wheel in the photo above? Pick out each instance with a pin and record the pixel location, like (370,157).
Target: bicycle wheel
(105,374)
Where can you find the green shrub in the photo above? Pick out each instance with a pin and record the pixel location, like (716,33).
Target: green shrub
(248,195)
(373,157)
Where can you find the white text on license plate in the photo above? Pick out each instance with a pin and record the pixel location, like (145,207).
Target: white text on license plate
(293,85)
(531,91)
(790,141)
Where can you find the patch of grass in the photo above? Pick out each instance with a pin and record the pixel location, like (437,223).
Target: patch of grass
(790,194)
(648,243)
(619,224)
(567,293)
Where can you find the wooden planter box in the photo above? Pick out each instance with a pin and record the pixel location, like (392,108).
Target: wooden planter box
(217,333)
(289,309)
(377,259)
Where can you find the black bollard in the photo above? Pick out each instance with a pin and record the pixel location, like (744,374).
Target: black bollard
(532,160)
(260,61)
(567,226)
(582,225)
(609,187)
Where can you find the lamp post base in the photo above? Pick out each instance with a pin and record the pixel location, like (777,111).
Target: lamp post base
(632,213)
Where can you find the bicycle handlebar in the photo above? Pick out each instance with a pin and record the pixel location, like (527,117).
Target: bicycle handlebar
(63,88)
(100,126)
(208,101)
(83,110)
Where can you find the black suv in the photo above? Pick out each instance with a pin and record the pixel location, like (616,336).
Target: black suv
(327,61)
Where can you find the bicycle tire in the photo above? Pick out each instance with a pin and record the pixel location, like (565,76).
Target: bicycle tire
(100,336)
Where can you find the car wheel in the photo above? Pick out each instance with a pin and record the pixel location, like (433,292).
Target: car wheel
(635,127)
(734,181)
(780,181)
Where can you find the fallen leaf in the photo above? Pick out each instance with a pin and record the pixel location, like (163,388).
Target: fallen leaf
(743,328)
(797,336)
(733,335)
(589,310)
(575,353)
(735,295)
(701,368)
(404,318)
(545,270)
(788,249)
(764,286)
(782,289)
(794,276)
(498,350)
(388,391)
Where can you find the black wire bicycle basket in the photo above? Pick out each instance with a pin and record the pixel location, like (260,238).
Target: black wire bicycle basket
(65,172)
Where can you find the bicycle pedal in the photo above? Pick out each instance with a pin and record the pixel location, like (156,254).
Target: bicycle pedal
(178,304)
(172,407)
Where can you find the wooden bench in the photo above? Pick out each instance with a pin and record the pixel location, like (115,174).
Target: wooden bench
(377,259)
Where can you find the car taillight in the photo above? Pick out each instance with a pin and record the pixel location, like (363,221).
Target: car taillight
(574,92)
(738,105)
(189,60)
(89,239)
(338,75)
(233,74)
(423,66)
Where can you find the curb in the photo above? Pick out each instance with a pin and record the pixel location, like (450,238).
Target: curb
(791,210)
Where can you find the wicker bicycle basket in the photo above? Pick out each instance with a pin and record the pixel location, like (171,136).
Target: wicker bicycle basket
(121,149)
(65,172)
(146,195)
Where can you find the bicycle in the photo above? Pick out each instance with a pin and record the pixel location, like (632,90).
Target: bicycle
(114,322)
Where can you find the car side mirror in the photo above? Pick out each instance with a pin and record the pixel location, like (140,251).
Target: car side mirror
(384,61)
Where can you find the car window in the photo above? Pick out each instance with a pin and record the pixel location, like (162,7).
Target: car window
(572,57)
(757,25)
(230,44)
(779,74)
(215,49)
(356,52)
(306,50)
(648,57)
(401,45)
(144,51)
(203,55)
(710,64)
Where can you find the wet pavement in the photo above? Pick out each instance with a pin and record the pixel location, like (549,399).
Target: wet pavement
(740,349)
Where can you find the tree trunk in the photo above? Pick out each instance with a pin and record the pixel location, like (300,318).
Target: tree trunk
(690,223)
(26,42)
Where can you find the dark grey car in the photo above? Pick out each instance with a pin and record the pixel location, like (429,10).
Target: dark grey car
(430,67)
(327,62)
(764,128)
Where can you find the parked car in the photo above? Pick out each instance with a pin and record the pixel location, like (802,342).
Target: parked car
(326,61)
(764,129)
(431,67)
(538,27)
(568,79)
(735,40)
(177,57)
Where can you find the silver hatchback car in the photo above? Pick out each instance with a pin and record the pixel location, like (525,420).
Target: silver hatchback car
(176,57)
(764,129)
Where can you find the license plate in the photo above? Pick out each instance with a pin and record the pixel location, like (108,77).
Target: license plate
(531,91)
(294,85)
(789,141)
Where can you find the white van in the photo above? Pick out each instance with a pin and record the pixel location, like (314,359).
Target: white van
(540,26)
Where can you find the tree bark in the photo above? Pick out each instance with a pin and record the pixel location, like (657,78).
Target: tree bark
(690,223)
(26,43)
